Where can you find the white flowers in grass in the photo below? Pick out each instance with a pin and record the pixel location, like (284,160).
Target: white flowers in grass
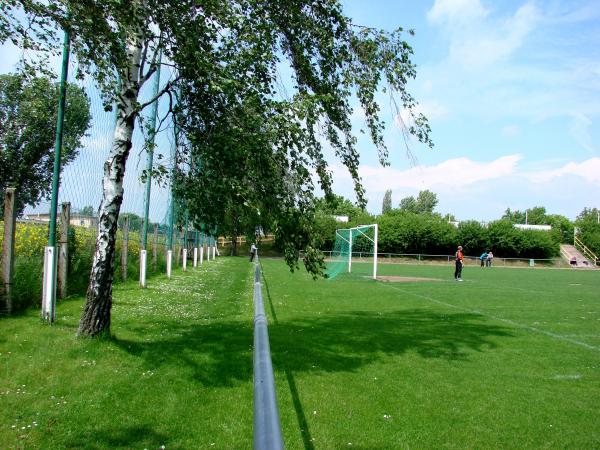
(33,424)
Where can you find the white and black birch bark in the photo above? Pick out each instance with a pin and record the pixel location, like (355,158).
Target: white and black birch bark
(95,319)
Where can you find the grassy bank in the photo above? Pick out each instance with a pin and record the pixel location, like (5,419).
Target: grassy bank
(177,372)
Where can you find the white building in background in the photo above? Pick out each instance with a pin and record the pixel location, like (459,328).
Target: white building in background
(522,226)
(76,219)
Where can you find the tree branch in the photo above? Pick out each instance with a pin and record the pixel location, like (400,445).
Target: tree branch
(164,90)
(143,61)
(153,65)
(170,111)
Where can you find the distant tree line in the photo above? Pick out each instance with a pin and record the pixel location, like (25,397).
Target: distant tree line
(415,227)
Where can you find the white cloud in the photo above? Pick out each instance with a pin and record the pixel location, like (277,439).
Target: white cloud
(483,189)
(513,62)
(579,127)
(485,42)
(450,173)
(432,109)
(588,170)
(456,12)
(427,86)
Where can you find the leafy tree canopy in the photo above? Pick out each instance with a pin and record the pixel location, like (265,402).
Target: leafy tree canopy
(588,216)
(425,203)
(28,108)
(386,205)
(589,228)
(337,205)
(87,210)
(135,221)
(252,152)
(532,216)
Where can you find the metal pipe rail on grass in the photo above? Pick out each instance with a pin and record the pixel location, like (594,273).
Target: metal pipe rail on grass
(267,428)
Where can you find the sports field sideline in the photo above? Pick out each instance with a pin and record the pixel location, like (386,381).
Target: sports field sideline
(510,358)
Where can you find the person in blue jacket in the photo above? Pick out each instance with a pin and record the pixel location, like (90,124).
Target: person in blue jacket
(483,259)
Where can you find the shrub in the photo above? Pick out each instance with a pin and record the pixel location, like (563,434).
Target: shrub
(32,238)
(473,236)
(406,232)
(510,242)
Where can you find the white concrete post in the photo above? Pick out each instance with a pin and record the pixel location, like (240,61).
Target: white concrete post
(195,257)
(143,255)
(49,285)
(201,253)
(169,262)
(375,253)
(184,259)
(350,252)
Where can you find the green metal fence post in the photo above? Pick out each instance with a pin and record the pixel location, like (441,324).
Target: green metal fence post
(49,300)
(150,156)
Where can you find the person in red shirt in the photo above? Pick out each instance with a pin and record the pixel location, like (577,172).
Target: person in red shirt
(459,261)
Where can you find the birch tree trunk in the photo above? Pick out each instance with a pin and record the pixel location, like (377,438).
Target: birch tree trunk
(95,319)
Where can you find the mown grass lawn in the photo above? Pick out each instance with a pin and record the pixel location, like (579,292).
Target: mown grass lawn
(510,358)
(177,372)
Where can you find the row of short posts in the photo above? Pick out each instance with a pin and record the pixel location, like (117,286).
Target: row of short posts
(208,248)
(203,248)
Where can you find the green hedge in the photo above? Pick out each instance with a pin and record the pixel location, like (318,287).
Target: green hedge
(406,232)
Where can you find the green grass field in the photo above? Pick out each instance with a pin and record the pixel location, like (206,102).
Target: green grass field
(510,358)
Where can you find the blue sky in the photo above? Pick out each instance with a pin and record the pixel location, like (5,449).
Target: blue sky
(512,91)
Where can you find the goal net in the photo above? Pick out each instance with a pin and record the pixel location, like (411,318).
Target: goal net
(354,252)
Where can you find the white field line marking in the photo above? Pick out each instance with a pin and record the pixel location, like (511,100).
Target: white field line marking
(515,288)
(508,321)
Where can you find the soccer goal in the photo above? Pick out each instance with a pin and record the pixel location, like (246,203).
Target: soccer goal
(354,251)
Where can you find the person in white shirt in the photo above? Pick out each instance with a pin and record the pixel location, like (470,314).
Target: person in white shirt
(489,259)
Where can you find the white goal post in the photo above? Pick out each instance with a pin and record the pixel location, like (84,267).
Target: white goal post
(350,243)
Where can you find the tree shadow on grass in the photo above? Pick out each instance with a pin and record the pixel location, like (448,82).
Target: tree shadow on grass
(350,340)
(138,436)
(220,353)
